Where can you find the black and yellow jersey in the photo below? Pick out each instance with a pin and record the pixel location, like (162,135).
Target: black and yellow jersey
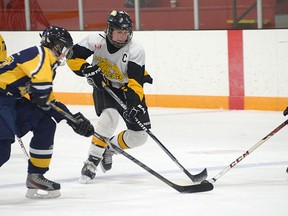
(124,68)
(3,50)
(35,66)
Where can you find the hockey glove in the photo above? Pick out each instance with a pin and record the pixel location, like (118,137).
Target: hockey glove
(94,76)
(40,100)
(39,97)
(82,126)
(132,111)
(285,112)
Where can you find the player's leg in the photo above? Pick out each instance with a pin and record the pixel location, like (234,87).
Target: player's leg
(134,136)
(32,118)
(7,128)
(98,151)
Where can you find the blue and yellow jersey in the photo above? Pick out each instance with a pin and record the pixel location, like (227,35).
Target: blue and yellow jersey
(3,50)
(33,66)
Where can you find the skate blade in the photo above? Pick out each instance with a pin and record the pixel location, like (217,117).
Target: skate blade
(41,194)
(84,179)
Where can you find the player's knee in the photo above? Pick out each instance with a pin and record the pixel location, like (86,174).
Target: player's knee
(5,150)
(44,133)
(47,124)
(135,138)
(51,124)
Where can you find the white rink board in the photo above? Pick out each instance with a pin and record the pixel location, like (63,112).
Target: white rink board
(191,62)
(265,63)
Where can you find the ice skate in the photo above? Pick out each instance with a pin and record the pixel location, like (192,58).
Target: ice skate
(106,162)
(41,188)
(89,169)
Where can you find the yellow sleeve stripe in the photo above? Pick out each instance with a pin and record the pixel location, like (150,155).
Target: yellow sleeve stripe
(40,162)
(121,142)
(136,87)
(76,64)
(98,142)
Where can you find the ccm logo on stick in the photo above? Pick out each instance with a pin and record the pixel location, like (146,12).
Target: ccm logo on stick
(239,159)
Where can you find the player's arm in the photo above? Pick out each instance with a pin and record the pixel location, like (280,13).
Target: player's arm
(81,51)
(134,88)
(78,60)
(41,94)
(134,91)
(82,125)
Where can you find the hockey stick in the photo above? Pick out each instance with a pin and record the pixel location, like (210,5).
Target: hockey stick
(195,178)
(245,154)
(206,186)
(22,147)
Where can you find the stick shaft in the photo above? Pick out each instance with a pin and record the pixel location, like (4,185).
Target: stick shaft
(248,152)
(22,147)
(123,105)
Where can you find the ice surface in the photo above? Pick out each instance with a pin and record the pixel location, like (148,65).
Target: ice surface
(257,186)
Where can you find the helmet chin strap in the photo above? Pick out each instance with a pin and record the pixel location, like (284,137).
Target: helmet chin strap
(58,53)
(62,61)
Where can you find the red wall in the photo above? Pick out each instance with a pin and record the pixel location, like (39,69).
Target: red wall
(156,15)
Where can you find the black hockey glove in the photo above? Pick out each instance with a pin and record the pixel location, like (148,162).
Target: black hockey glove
(39,97)
(134,105)
(285,111)
(94,76)
(132,111)
(40,100)
(83,126)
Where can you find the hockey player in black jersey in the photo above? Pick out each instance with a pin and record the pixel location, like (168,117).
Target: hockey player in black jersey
(32,71)
(120,61)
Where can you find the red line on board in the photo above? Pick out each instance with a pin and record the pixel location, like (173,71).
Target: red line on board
(235,67)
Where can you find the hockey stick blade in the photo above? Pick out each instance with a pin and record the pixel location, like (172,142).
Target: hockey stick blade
(207,186)
(200,176)
(203,187)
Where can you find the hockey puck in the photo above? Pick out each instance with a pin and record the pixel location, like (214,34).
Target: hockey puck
(287,170)
(205,182)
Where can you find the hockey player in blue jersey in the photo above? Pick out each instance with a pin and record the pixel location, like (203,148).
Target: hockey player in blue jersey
(32,71)
(3,51)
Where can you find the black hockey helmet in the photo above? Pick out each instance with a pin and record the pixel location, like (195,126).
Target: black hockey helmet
(59,39)
(119,20)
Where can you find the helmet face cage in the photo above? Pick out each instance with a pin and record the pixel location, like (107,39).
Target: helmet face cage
(58,40)
(119,20)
